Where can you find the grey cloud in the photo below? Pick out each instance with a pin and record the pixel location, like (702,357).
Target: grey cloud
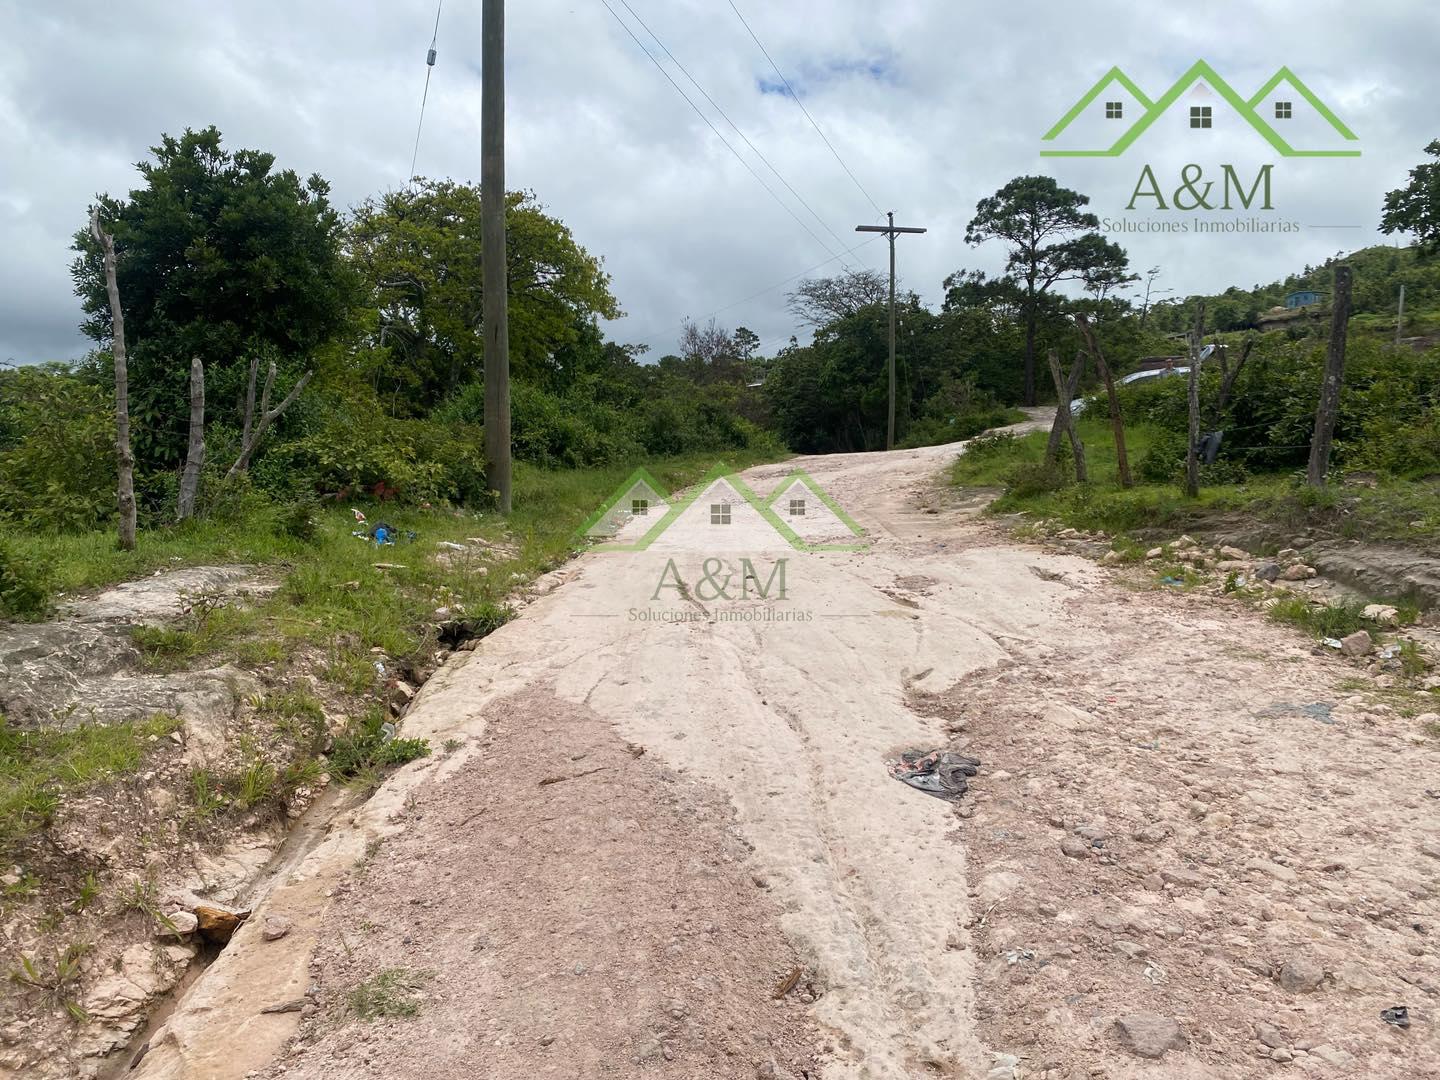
(965,92)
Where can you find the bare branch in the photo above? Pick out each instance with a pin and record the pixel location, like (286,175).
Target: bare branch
(250,400)
(267,417)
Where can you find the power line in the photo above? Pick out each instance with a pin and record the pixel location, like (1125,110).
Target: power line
(796,98)
(425,96)
(758,178)
(792,277)
(715,105)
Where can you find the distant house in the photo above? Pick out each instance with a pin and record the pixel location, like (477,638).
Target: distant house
(1302,298)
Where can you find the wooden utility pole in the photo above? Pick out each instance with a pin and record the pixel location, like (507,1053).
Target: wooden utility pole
(1334,375)
(891,230)
(492,242)
(1192,451)
(1117,421)
(125,458)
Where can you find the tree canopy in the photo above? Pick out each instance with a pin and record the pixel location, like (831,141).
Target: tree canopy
(1415,208)
(418,251)
(218,256)
(1051,239)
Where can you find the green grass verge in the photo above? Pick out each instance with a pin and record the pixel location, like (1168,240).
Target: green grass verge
(37,768)
(1394,510)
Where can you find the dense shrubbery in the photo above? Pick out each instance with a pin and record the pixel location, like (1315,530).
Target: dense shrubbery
(1389,412)
(25,585)
(57,450)
(958,410)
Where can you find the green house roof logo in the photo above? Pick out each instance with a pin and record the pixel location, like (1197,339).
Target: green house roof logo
(798,511)
(1201,116)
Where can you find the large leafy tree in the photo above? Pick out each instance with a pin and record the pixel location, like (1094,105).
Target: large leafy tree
(1415,208)
(1051,239)
(819,301)
(419,253)
(219,256)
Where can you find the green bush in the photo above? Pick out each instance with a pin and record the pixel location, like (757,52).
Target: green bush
(1389,418)
(357,448)
(1164,462)
(299,519)
(57,451)
(1034,478)
(26,585)
(364,748)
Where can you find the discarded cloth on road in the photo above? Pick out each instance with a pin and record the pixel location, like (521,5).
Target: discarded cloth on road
(942,773)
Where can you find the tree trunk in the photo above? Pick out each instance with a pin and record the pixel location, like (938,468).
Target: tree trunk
(1064,418)
(1031,317)
(267,415)
(1192,451)
(1334,376)
(1072,387)
(195,453)
(1117,422)
(124,457)
(1232,375)
(250,400)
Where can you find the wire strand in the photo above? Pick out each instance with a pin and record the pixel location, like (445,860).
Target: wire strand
(698,112)
(425,95)
(792,277)
(796,98)
(715,105)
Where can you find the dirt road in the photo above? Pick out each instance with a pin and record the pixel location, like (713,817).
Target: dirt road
(657,808)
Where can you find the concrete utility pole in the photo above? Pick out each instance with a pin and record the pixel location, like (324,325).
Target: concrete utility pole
(892,230)
(1400,317)
(492,242)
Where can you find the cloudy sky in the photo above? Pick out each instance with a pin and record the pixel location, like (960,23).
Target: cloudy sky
(931,105)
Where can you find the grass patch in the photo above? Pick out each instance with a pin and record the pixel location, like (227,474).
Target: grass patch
(1320,620)
(297,714)
(38,767)
(56,980)
(1395,510)
(369,746)
(393,994)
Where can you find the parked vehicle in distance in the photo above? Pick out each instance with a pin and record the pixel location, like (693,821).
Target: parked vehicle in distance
(1078,405)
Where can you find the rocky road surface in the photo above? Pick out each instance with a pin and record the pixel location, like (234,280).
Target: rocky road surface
(660,837)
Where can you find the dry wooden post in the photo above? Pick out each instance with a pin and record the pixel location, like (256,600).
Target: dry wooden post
(250,400)
(195,452)
(252,434)
(1117,422)
(1334,376)
(1192,450)
(1067,395)
(124,457)
(1063,416)
(1227,384)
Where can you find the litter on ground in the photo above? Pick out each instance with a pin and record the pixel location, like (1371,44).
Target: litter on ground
(941,773)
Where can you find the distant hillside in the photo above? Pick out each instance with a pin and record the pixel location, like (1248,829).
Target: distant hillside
(1379,273)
